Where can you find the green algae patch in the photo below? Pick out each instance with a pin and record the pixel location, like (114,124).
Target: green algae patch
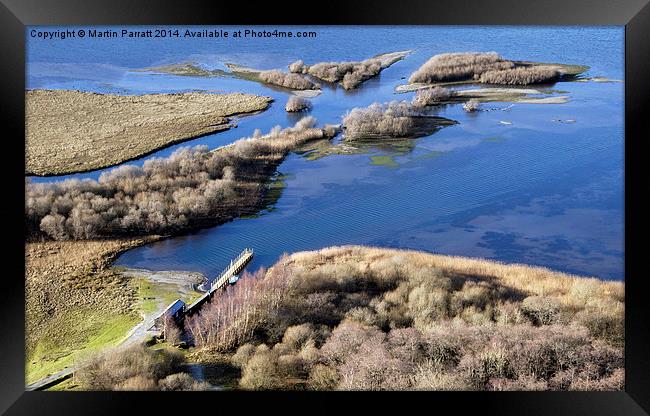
(387,161)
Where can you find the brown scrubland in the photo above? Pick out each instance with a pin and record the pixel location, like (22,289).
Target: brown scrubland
(488,68)
(137,368)
(360,318)
(520,76)
(397,119)
(73,131)
(192,188)
(348,74)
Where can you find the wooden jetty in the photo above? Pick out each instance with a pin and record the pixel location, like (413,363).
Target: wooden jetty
(211,286)
(221,281)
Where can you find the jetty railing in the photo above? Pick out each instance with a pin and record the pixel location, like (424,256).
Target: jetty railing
(236,265)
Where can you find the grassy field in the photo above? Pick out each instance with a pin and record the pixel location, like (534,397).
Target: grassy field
(76,304)
(153,295)
(88,331)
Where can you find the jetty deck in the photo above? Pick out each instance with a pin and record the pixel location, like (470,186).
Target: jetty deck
(236,266)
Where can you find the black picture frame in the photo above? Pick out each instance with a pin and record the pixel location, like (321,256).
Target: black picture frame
(633,14)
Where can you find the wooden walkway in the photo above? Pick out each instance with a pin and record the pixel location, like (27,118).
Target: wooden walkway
(236,265)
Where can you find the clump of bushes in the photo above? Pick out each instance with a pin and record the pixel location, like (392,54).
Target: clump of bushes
(287,80)
(298,67)
(394,119)
(541,310)
(361,318)
(233,319)
(397,119)
(297,104)
(348,74)
(193,187)
(520,76)
(486,68)
(431,96)
(137,368)
(472,106)
(458,67)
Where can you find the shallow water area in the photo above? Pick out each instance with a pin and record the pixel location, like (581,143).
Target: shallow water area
(540,184)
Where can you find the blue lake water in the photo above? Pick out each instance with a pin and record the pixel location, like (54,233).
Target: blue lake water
(536,191)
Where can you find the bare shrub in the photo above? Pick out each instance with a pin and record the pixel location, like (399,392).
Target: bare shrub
(261,372)
(181,382)
(605,321)
(295,337)
(323,377)
(541,310)
(134,368)
(193,187)
(297,104)
(171,331)
(458,66)
(136,383)
(472,106)
(431,96)
(520,76)
(287,80)
(428,376)
(243,354)
(613,382)
(479,369)
(298,67)
(523,383)
(346,339)
(350,74)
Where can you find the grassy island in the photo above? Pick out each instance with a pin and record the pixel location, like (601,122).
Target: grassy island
(90,131)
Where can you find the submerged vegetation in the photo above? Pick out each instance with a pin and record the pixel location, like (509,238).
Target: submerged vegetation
(191,188)
(366,318)
(348,74)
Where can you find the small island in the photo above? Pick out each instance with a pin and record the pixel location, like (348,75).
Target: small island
(91,131)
